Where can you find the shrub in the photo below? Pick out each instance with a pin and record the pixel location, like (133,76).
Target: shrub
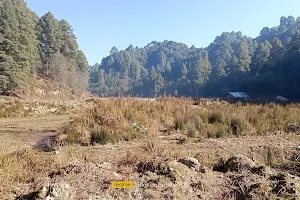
(211,134)
(204,117)
(70,139)
(101,137)
(270,156)
(192,131)
(236,127)
(215,118)
(14,110)
(221,132)
(131,134)
(179,125)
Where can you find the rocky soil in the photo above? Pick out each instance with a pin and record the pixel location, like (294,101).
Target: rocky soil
(173,171)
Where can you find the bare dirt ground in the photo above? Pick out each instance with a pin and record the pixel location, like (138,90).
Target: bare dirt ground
(20,133)
(89,171)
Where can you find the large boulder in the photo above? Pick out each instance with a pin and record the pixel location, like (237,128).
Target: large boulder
(58,191)
(239,163)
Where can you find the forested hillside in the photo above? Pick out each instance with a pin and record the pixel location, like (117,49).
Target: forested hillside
(264,66)
(32,46)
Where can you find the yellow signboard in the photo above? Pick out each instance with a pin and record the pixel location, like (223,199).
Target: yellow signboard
(119,185)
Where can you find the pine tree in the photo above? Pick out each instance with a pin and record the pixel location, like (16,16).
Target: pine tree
(18,45)
(49,38)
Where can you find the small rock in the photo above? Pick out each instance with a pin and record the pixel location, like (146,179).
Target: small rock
(43,192)
(26,108)
(116,175)
(104,165)
(193,164)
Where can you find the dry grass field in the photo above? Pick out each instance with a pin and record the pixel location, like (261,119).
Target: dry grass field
(169,148)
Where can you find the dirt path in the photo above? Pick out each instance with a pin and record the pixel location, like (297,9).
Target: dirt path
(19,133)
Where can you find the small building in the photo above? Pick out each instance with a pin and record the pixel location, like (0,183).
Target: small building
(281,98)
(237,96)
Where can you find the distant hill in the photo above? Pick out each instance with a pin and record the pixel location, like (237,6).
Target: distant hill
(267,65)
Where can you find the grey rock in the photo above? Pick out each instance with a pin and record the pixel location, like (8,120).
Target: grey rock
(104,165)
(239,163)
(193,163)
(59,191)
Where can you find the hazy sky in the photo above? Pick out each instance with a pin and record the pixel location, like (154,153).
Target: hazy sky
(101,24)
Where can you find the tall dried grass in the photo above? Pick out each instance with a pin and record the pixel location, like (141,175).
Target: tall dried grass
(112,120)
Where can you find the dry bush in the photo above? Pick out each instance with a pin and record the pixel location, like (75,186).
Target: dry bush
(13,108)
(153,147)
(23,166)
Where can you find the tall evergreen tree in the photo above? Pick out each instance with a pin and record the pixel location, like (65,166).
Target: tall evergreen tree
(18,45)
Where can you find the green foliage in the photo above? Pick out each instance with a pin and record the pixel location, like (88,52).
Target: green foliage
(266,65)
(26,41)
(62,61)
(18,45)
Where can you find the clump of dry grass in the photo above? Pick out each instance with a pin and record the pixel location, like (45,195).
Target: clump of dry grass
(23,166)
(112,120)
(13,108)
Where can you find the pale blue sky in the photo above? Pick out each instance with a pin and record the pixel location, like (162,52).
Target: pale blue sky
(101,24)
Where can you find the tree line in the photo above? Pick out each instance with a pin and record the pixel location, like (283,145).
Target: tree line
(267,65)
(32,46)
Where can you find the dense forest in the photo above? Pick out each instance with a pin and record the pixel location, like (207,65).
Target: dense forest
(267,65)
(32,46)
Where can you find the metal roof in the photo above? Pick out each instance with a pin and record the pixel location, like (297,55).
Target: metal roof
(238,94)
(281,98)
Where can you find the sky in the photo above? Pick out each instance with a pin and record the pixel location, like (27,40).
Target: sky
(101,24)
